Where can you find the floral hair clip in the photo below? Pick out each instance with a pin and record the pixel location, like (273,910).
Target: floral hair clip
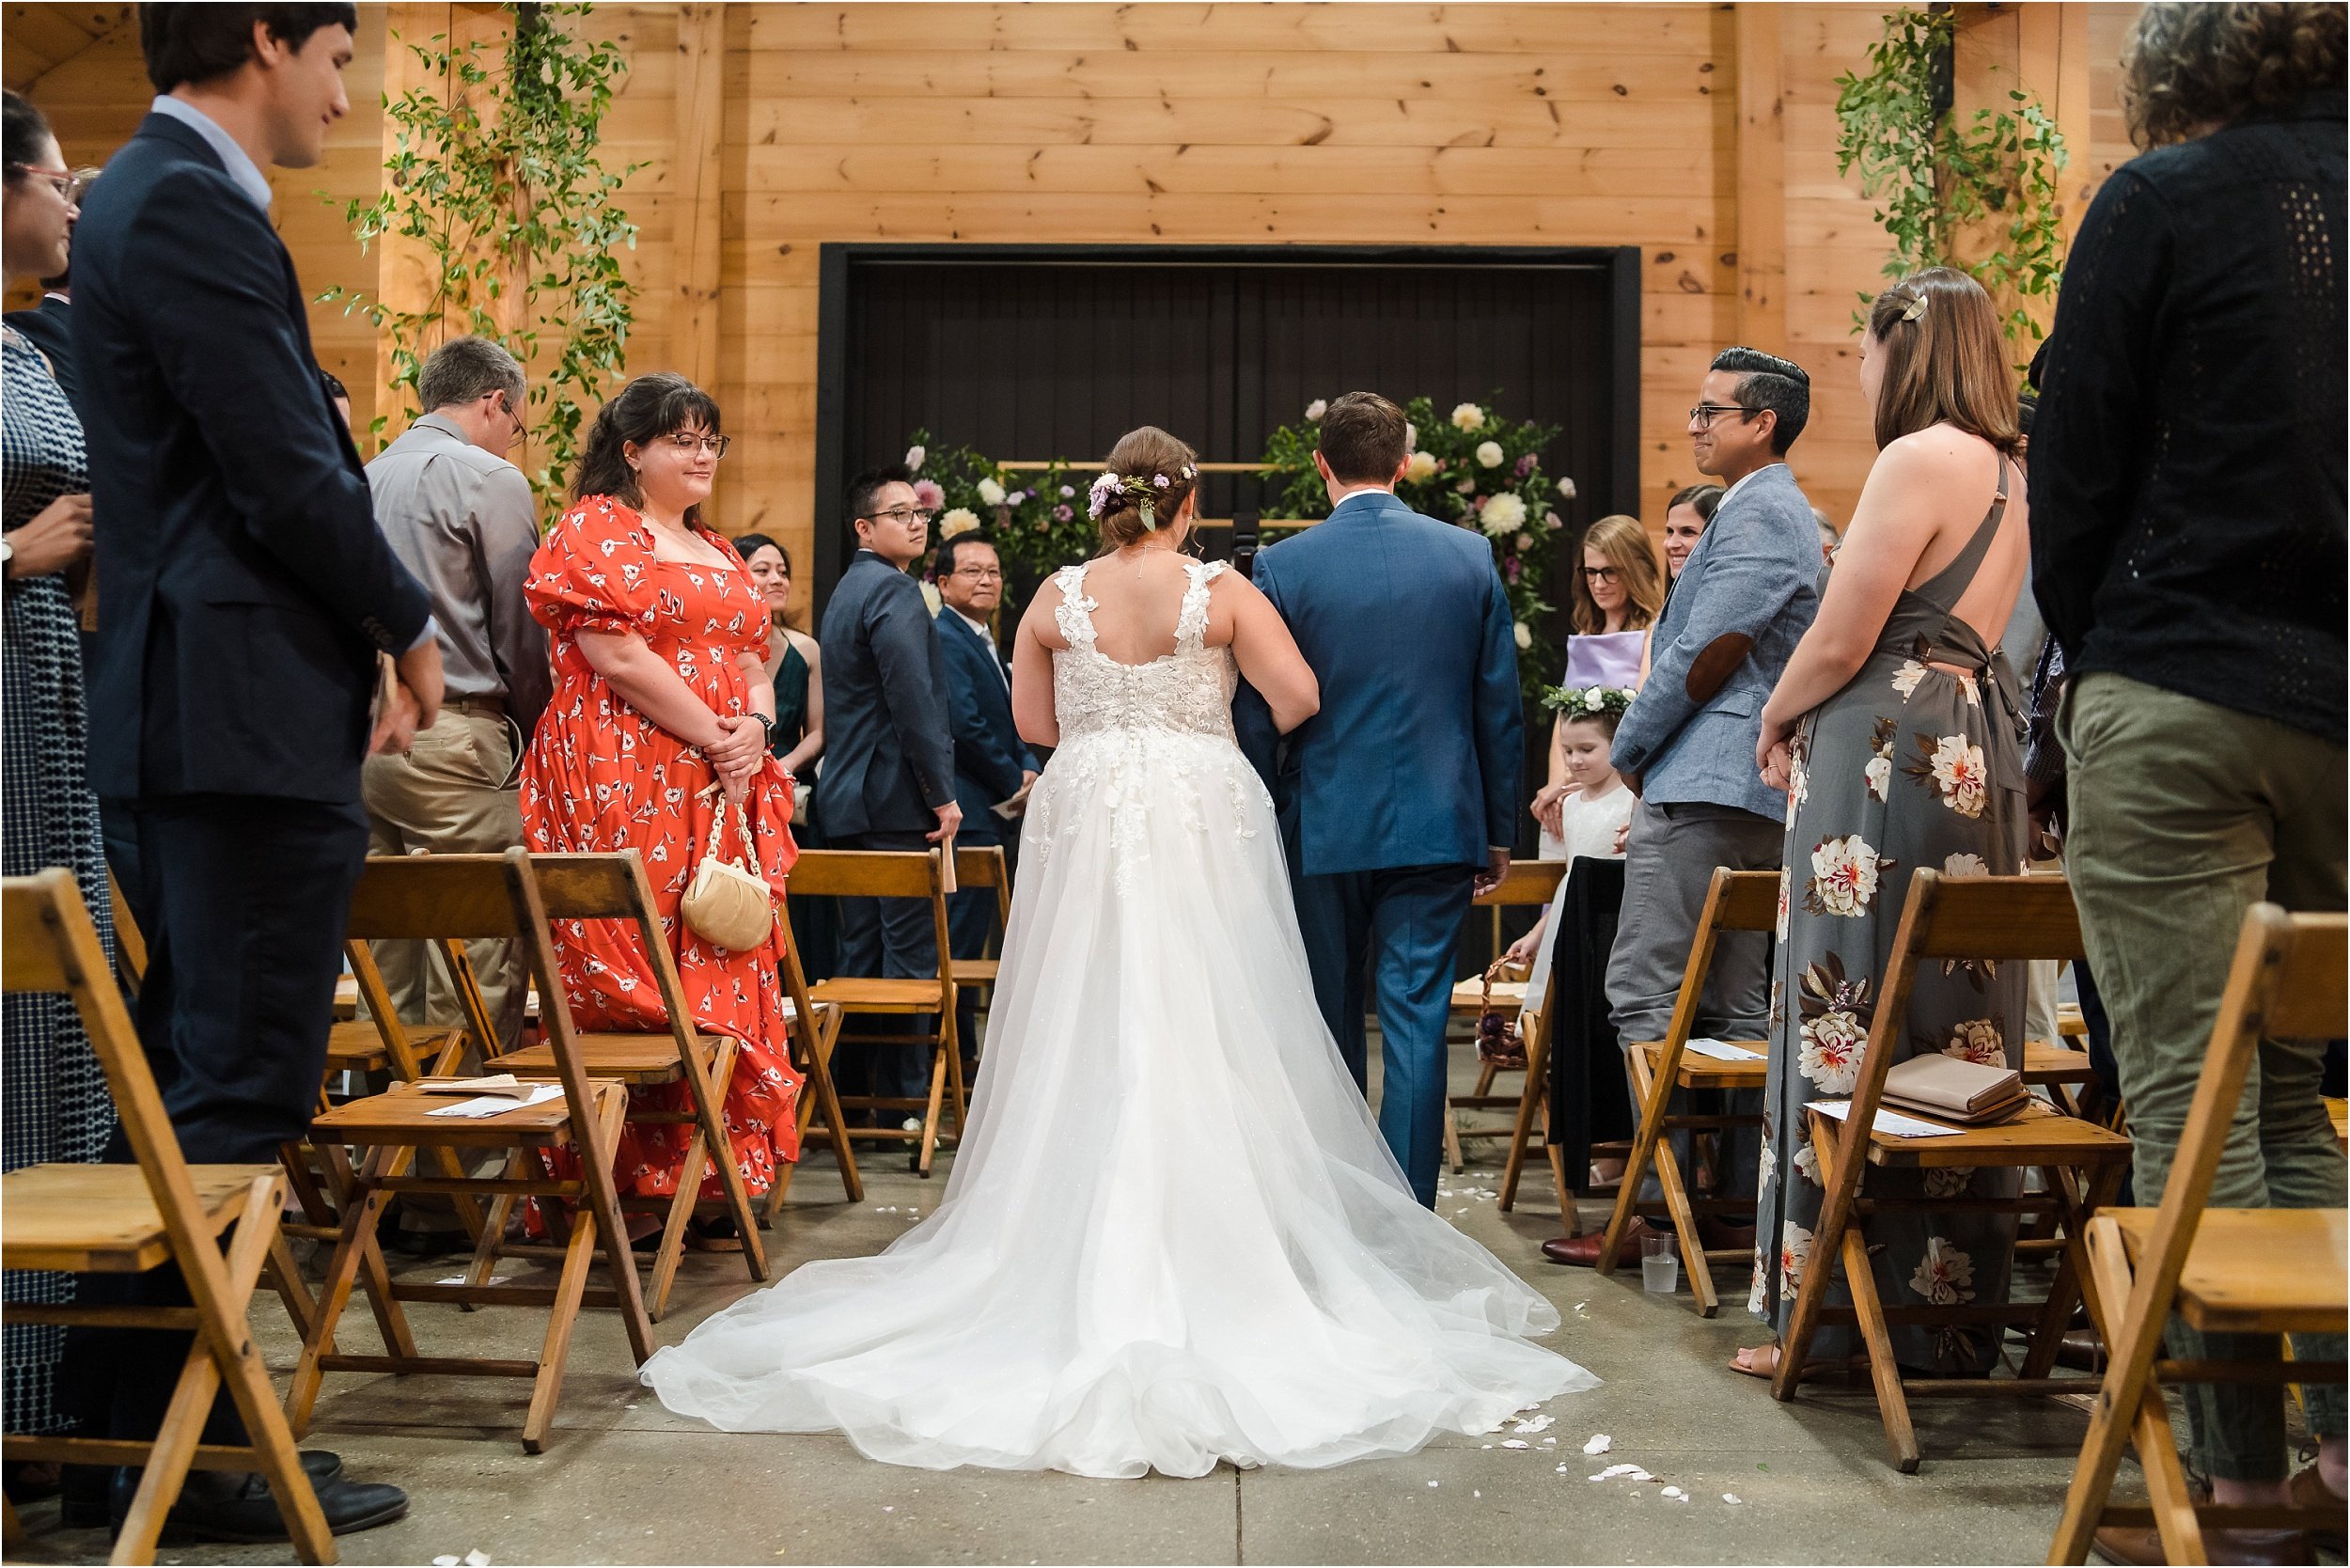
(1144,488)
(1915,309)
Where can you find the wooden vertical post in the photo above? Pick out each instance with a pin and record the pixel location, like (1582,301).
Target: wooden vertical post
(403,267)
(1762,180)
(2054,54)
(696,178)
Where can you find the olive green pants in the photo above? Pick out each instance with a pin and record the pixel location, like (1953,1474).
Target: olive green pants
(2184,814)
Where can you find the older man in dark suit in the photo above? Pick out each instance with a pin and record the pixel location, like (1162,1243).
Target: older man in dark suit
(244,595)
(991,766)
(890,769)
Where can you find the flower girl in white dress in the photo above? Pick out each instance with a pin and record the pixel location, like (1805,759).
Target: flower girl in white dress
(1173,1236)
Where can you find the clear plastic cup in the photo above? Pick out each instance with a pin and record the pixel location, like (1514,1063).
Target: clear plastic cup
(1660,1263)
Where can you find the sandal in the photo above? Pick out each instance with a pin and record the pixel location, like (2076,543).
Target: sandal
(1811,1371)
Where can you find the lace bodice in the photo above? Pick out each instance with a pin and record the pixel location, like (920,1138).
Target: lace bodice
(1187,692)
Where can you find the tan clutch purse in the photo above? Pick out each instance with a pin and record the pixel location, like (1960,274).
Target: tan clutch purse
(728,905)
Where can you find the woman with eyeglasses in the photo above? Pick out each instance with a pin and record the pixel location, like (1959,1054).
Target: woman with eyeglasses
(1618,589)
(58,1108)
(659,724)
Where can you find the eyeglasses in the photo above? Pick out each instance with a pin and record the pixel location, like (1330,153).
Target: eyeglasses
(1601,574)
(1704,415)
(687,441)
(978,573)
(66,182)
(909,516)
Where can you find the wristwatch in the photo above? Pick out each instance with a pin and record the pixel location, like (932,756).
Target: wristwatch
(768,722)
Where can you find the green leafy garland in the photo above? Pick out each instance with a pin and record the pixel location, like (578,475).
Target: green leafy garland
(1937,180)
(1471,467)
(501,184)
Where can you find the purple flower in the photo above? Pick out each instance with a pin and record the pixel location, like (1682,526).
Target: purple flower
(1509,567)
(1160,480)
(1062,514)
(1526,466)
(1067,493)
(927,495)
(1015,497)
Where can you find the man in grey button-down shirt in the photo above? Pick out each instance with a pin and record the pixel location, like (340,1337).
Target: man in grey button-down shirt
(460,517)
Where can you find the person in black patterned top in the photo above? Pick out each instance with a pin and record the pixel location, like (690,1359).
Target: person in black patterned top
(57,1106)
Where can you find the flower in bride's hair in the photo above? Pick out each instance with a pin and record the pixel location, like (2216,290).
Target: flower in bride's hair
(1419,466)
(1315,410)
(960,521)
(1467,416)
(990,493)
(1489,454)
(1502,514)
(1098,494)
(927,494)
(914,459)
(1160,482)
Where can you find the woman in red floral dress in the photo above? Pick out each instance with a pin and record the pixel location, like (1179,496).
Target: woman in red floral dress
(659,640)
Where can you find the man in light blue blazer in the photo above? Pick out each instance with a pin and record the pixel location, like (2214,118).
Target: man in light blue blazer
(1396,800)
(1686,745)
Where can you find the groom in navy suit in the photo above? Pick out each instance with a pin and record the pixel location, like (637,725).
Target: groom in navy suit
(991,763)
(1396,800)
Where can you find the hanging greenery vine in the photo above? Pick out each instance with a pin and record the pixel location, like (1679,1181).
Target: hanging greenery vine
(498,180)
(1947,190)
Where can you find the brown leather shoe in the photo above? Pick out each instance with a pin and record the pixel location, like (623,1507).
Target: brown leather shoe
(2083,1350)
(1583,1251)
(2305,1490)
(2142,1547)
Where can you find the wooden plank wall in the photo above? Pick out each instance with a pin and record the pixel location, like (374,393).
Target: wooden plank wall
(1481,123)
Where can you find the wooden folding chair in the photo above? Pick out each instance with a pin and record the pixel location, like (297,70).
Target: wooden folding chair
(815,1030)
(983,866)
(462,896)
(1734,900)
(2235,1271)
(893,874)
(2008,918)
(1533,883)
(132,1218)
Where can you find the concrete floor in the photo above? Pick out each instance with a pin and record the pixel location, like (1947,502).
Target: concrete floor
(624,1482)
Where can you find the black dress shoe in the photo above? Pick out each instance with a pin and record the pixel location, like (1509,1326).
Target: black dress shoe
(88,1507)
(230,1505)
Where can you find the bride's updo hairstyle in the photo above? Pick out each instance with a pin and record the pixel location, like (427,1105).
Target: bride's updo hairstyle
(1144,483)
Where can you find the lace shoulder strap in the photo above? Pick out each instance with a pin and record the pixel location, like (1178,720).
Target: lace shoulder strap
(1075,614)
(1191,626)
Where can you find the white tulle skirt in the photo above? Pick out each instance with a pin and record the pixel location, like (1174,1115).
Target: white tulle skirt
(1173,1236)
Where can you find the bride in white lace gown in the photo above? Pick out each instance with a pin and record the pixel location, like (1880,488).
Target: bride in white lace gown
(1173,1236)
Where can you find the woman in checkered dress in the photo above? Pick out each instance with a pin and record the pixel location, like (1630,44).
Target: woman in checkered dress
(56,1105)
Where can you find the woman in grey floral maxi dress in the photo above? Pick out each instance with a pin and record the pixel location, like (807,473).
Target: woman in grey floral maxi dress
(1914,763)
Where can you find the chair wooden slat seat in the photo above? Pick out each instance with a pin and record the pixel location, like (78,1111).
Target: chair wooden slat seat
(102,1219)
(976,971)
(1703,1072)
(2037,1136)
(403,1112)
(858,993)
(1468,997)
(2047,1063)
(635,1060)
(1527,884)
(2255,1271)
(356,1045)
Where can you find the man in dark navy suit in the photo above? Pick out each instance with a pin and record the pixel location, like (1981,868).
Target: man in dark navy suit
(889,768)
(1396,800)
(991,763)
(244,597)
